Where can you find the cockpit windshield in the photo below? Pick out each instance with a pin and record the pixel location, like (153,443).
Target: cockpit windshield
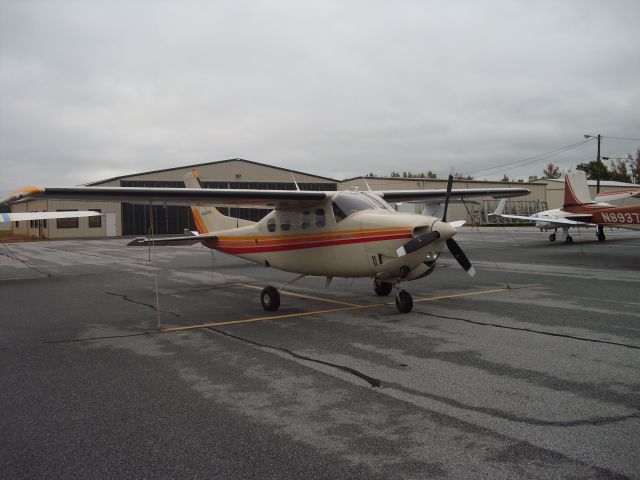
(346,203)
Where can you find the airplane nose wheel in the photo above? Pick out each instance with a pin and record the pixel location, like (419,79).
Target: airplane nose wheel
(270,299)
(404,302)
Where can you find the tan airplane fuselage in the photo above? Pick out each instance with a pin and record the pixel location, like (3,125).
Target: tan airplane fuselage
(363,244)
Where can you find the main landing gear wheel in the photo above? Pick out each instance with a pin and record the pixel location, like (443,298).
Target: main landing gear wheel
(270,299)
(600,233)
(569,239)
(381,288)
(404,302)
(552,237)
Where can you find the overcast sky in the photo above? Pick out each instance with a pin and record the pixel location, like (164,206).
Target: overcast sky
(91,90)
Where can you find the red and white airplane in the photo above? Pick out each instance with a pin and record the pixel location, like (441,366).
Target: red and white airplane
(328,234)
(580,209)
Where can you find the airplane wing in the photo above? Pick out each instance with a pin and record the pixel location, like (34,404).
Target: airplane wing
(27,216)
(560,221)
(617,195)
(172,196)
(457,193)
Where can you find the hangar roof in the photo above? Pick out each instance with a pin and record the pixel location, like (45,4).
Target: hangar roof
(182,167)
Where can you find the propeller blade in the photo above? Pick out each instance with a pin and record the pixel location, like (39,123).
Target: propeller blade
(461,258)
(446,198)
(417,243)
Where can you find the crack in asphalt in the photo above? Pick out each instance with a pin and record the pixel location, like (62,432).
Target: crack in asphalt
(152,307)
(494,412)
(374,382)
(530,330)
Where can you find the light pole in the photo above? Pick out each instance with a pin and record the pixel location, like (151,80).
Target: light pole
(600,233)
(599,137)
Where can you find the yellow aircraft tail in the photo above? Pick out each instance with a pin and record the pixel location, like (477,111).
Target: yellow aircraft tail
(207,217)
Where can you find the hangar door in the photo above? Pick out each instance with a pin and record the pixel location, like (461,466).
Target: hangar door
(138,218)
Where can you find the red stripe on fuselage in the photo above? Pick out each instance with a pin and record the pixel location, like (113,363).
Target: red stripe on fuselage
(299,246)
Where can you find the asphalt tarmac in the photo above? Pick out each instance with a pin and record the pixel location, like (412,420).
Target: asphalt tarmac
(529,370)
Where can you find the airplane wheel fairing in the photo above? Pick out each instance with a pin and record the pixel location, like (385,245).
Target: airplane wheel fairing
(552,237)
(601,237)
(270,299)
(381,288)
(404,302)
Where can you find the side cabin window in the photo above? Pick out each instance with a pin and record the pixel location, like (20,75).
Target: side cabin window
(305,220)
(320,220)
(271,224)
(285,221)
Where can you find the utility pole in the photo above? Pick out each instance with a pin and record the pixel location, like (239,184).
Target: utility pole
(599,164)
(598,159)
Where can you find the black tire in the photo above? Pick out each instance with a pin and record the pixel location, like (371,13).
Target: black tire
(404,302)
(270,299)
(552,237)
(601,237)
(569,239)
(381,288)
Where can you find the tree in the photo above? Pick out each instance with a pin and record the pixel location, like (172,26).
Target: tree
(634,167)
(595,170)
(619,171)
(551,171)
(430,174)
(395,174)
(505,178)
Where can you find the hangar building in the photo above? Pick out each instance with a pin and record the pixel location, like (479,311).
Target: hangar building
(135,219)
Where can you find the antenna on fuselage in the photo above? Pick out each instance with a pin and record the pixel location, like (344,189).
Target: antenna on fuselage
(294,181)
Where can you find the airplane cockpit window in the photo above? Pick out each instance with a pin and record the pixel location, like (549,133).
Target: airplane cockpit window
(271,224)
(345,203)
(378,200)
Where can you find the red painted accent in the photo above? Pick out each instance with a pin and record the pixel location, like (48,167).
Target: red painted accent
(305,245)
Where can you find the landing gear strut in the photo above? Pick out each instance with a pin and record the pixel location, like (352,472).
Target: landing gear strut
(600,233)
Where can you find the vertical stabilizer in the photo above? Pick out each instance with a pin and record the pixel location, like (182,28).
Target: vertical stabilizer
(207,217)
(576,190)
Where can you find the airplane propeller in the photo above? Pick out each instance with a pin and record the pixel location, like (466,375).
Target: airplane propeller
(424,240)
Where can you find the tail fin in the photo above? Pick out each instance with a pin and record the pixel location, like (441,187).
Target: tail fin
(207,217)
(500,208)
(576,190)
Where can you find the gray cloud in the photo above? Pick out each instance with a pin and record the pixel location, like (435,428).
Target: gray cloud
(90,90)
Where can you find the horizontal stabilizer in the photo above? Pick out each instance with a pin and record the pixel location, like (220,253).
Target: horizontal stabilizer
(170,241)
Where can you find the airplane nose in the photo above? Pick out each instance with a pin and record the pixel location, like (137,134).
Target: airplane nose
(445,230)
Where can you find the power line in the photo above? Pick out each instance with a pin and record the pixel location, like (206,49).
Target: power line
(623,138)
(529,160)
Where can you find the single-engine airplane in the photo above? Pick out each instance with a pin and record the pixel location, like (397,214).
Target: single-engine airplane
(579,209)
(328,234)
